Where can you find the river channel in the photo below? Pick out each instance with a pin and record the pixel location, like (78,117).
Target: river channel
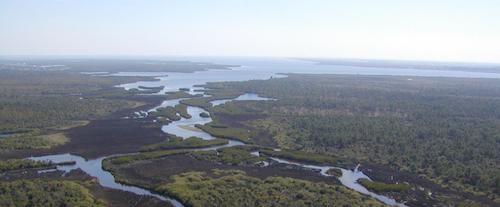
(250,70)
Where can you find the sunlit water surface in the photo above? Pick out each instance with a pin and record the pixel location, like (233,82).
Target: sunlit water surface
(251,69)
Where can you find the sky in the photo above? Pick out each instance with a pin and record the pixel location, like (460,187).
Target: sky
(443,30)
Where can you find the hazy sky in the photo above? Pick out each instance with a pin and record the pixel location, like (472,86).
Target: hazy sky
(462,30)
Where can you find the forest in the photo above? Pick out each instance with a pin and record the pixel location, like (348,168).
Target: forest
(36,109)
(39,193)
(445,129)
(235,188)
(31,99)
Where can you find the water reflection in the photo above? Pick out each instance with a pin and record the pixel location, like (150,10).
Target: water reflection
(94,169)
(252,69)
(244,97)
(349,179)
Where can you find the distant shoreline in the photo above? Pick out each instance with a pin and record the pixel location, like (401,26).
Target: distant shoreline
(409,64)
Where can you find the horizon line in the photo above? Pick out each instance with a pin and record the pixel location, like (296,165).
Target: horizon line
(306,58)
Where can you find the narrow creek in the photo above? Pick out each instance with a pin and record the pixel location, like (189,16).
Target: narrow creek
(185,128)
(94,167)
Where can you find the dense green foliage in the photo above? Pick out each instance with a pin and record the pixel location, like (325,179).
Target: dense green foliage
(180,143)
(147,90)
(42,193)
(230,156)
(178,94)
(167,112)
(172,113)
(223,131)
(380,186)
(204,115)
(182,110)
(447,129)
(31,140)
(203,102)
(16,164)
(334,172)
(45,99)
(235,188)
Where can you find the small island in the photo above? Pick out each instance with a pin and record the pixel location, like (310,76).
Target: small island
(334,172)
(204,115)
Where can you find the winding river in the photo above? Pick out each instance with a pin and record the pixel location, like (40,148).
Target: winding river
(252,69)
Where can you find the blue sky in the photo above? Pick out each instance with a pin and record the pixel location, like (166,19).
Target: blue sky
(449,30)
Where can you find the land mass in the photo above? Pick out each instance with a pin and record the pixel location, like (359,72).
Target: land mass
(407,64)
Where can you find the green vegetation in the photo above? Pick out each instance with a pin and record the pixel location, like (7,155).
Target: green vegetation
(32,140)
(182,110)
(380,186)
(163,120)
(222,93)
(223,131)
(234,108)
(31,100)
(446,129)
(17,164)
(150,90)
(158,88)
(334,172)
(202,102)
(204,115)
(168,112)
(180,143)
(237,155)
(40,193)
(235,188)
(35,103)
(172,113)
(125,159)
(301,156)
(178,94)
